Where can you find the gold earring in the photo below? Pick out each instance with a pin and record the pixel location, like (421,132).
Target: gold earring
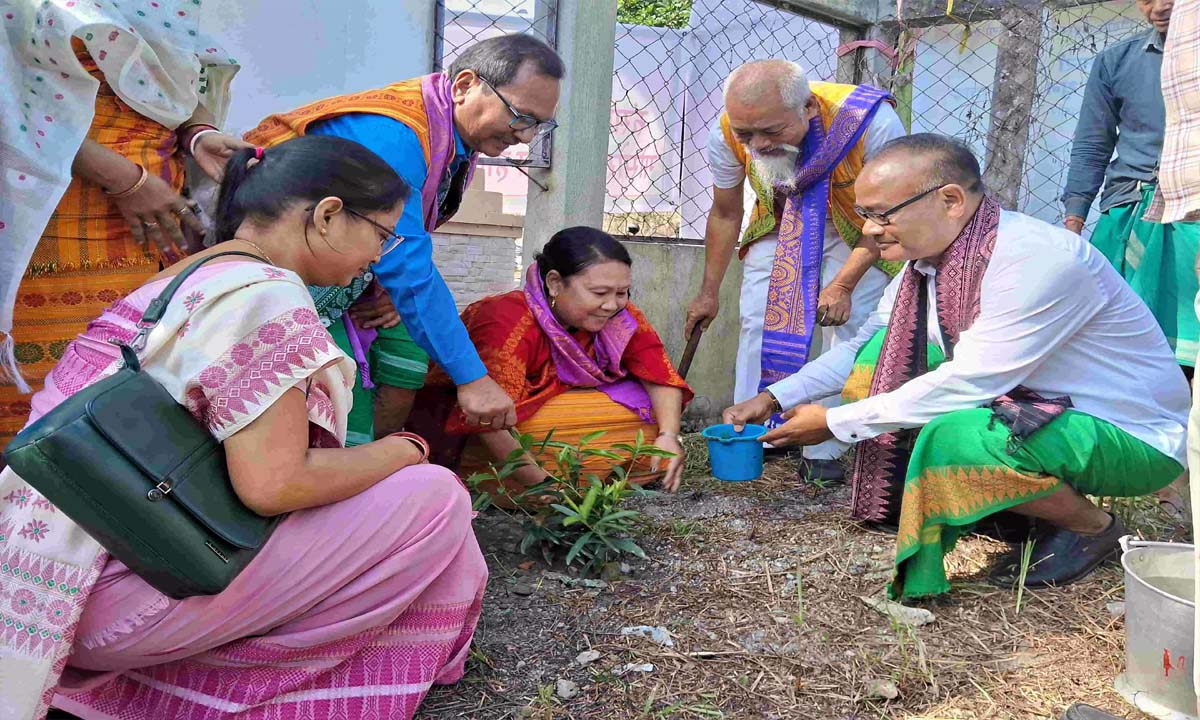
(553,302)
(324,231)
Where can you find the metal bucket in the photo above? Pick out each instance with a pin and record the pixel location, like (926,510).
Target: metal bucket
(1159,631)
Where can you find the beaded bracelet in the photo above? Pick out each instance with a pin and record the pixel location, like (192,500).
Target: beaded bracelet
(134,188)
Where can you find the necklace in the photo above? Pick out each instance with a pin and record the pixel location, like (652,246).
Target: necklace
(260,250)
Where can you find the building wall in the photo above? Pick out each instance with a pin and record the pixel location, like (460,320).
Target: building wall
(475,266)
(665,277)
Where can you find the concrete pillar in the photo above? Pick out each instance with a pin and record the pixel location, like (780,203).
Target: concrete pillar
(586,37)
(850,64)
(1012,101)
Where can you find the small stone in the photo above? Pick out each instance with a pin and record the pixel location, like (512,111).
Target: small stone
(565,689)
(1116,610)
(915,617)
(625,568)
(656,634)
(587,657)
(522,589)
(637,667)
(885,689)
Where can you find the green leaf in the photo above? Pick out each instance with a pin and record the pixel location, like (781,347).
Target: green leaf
(629,546)
(578,547)
(587,439)
(617,517)
(589,502)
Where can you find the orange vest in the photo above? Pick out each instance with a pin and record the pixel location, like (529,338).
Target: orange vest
(402,102)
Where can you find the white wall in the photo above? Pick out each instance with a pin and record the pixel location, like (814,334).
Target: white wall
(295,51)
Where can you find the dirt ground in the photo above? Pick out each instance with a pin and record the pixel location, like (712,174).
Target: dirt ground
(760,588)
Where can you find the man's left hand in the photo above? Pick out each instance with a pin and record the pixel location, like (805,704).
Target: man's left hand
(805,425)
(833,305)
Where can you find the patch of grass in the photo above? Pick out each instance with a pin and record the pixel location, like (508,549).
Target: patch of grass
(684,529)
(1026,556)
(695,463)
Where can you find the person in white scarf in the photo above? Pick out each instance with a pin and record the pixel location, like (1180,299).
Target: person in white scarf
(100,104)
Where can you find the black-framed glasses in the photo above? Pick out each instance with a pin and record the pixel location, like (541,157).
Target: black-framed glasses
(386,244)
(520,121)
(883,219)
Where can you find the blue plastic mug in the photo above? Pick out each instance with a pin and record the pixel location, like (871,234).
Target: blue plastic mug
(735,456)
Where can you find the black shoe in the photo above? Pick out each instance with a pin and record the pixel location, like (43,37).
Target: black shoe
(821,472)
(1081,711)
(1061,557)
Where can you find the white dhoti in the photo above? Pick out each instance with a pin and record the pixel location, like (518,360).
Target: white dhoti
(756,280)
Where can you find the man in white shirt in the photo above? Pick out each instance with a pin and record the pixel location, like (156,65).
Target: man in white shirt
(1007,367)
(816,274)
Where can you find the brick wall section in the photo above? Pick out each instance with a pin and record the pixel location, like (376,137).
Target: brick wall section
(475,266)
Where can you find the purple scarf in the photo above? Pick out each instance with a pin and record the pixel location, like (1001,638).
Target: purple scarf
(575,367)
(439,111)
(796,280)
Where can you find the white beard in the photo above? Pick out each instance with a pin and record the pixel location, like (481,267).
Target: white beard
(778,170)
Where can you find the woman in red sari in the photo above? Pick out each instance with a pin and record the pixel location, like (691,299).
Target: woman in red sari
(576,357)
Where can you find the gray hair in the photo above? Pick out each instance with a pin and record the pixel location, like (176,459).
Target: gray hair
(749,82)
(499,59)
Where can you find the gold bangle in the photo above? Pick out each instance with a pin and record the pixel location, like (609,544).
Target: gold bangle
(136,186)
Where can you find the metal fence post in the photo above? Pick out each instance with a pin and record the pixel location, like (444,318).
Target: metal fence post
(575,181)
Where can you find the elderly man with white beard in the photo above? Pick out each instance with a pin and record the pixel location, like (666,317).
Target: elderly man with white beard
(801,145)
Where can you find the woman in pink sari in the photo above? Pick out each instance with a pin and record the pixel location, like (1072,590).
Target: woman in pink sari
(368,591)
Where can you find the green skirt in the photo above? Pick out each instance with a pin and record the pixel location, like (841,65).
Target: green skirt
(1158,262)
(395,359)
(963,468)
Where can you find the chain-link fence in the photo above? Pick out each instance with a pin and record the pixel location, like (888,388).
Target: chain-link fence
(1009,81)
(459,24)
(667,96)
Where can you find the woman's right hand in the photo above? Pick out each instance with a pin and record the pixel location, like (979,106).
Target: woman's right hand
(157,214)
(406,451)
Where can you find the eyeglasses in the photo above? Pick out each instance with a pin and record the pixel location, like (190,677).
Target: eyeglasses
(520,121)
(882,219)
(387,244)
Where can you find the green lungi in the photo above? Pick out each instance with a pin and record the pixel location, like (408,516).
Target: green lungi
(965,466)
(1158,261)
(394,359)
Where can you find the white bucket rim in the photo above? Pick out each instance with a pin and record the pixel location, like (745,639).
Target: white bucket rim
(1129,543)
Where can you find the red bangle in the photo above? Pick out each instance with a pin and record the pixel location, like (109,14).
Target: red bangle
(417,440)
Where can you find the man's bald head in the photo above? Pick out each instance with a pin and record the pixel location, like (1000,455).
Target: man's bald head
(767,82)
(935,159)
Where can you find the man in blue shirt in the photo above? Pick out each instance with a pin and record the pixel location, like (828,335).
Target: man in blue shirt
(496,94)
(1123,112)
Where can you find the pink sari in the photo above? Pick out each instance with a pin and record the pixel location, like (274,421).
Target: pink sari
(352,609)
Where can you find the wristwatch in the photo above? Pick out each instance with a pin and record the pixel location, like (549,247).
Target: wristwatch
(775,406)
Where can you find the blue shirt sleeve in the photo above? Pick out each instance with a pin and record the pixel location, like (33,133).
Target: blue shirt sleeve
(408,273)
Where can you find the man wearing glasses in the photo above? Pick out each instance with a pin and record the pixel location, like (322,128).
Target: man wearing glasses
(800,145)
(499,92)
(1008,367)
